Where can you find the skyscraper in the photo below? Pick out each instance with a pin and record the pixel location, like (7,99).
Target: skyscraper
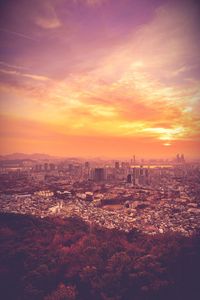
(99,174)
(117,165)
(182,159)
(129,178)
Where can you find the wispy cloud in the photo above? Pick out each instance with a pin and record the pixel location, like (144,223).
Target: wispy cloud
(91,2)
(48,19)
(4,64)
(31,76)
(18,34)
(168,134)
(99,80)
(48,23)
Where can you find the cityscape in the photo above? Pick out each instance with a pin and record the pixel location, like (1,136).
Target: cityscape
(99,150)
(152,196)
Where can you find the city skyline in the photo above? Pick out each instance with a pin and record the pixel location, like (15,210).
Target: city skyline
(100,78)
(132,159)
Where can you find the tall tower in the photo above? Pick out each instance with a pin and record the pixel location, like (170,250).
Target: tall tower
(129,178)
(133,160)
(134,176)
(117,165)
(182,159)
(99,174)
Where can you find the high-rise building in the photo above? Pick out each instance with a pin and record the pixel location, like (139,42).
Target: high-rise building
(146,176)
(133,160)
(146,171)
(117,165)
(141,171)
(177,158)
(182,159)
(143,177)
(134,176)
(86,170)
(129,178)
(99,174)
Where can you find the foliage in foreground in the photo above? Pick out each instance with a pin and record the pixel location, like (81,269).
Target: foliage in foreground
(56,259)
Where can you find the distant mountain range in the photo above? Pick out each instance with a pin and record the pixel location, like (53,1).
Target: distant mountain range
(23,156)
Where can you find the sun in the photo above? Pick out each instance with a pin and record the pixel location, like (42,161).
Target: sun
(167,144)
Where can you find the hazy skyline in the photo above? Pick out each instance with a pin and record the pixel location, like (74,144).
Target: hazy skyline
(100,77)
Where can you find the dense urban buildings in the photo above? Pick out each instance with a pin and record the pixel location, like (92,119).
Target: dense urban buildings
(78,229)
(152,196)
(110,91)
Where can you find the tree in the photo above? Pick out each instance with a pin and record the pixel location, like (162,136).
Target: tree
(63,292)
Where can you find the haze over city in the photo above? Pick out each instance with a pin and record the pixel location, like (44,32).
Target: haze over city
(100,77)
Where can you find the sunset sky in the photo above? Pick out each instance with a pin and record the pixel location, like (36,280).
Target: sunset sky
(100,77)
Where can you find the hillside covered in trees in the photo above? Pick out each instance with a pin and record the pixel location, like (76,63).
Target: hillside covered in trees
(56,259)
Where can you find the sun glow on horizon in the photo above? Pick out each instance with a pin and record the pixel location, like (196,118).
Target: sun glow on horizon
(75,73)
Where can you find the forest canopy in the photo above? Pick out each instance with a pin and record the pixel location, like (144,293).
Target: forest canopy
(65,259)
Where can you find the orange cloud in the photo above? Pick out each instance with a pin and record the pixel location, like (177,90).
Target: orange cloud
(137,87)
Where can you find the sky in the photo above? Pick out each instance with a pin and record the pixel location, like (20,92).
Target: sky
(108,78)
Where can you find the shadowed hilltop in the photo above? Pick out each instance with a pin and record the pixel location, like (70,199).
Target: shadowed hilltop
(54,258)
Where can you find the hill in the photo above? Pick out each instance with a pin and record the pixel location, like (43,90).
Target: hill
(55,259)
(23,156)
